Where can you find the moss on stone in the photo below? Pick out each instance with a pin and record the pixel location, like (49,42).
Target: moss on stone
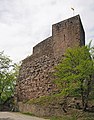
(47,100)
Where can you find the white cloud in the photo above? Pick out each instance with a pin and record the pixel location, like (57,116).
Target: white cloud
(24,23)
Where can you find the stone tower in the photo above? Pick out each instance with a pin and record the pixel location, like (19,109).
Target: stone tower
(35,76)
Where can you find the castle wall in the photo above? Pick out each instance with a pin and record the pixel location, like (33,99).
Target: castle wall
(68,33)
(36,73)
(44,48)
(35,78)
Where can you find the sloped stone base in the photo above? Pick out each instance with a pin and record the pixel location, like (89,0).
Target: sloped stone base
(38,110)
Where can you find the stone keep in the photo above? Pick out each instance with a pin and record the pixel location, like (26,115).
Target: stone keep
(35,76)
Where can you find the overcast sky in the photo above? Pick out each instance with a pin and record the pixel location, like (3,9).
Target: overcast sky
(24,23)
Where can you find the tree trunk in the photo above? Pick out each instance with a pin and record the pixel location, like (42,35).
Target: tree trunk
(87,93)
(82,95)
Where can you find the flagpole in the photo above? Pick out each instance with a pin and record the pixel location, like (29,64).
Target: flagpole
(72,10)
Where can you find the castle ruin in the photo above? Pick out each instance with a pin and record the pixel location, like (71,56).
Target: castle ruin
(35,75)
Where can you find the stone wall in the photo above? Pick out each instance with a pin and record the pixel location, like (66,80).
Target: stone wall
(41,111)
(44,48)
(35,76)
(67,33)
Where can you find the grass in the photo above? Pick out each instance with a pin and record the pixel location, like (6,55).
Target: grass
(63,118)
(47,100)
(30,114)
(72,114)
(75,116)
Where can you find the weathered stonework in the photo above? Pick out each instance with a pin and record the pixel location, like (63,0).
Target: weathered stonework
(38,110)
(35,76)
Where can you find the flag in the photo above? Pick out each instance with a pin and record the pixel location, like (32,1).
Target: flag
(72,9)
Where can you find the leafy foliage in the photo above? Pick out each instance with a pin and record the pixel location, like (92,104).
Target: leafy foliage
(8,75)
(74,73)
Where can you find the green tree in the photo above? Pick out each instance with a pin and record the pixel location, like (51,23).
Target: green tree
(74,73)
(8,75)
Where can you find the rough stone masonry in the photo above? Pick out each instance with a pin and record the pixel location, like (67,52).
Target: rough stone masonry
(35,75)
